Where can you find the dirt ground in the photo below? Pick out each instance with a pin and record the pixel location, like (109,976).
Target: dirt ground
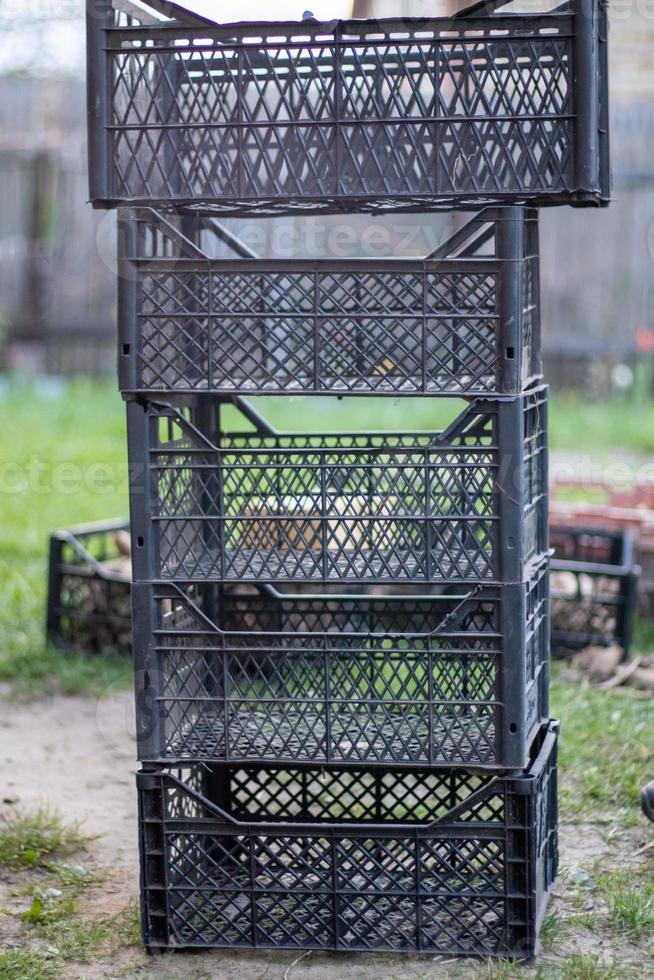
(77,756)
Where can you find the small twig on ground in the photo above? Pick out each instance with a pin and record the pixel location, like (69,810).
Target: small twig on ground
(295,962)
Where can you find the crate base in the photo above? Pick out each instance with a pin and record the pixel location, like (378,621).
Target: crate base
(288,733)
(387,924)
(350,564)
(451,863)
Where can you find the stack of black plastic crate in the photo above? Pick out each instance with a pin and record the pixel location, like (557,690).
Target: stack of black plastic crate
(341,640)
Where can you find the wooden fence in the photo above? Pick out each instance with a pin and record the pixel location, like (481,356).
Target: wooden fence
(57,272)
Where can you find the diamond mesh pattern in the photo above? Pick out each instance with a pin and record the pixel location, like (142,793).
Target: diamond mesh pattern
(375,508)
(535,477)
(358,794)
(378,873)
(322,117)
(531,364)
(538,625)
(341,333)
(433,326)
(369,679)
(302,508)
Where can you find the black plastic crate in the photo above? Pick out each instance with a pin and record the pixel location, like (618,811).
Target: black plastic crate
(89,606)
(591,545)
(416,113)
(451,679)
(468,503)
(448,862)
(463,321)
(594,588)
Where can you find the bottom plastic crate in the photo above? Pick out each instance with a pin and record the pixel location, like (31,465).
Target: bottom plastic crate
(450,862)
(593,588)
(89,606)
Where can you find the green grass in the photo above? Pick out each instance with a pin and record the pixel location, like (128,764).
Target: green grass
(631,909)
(589,967)
(498,970)
(619,900)
(630,902)
(40,669)
(553,929)
(606,751)
(56,921)
(602,426)
(62,462)
(32,851)
(643,640)
(26,964)
(36,840)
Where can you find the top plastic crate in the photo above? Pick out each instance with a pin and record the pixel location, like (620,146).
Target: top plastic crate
(420,114)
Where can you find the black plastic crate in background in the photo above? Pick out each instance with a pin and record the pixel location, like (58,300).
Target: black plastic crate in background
(592,545)
(450,862)
(204,313)
(224,675)
(468,503)
(89,606)
(594,588)
(416,113)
